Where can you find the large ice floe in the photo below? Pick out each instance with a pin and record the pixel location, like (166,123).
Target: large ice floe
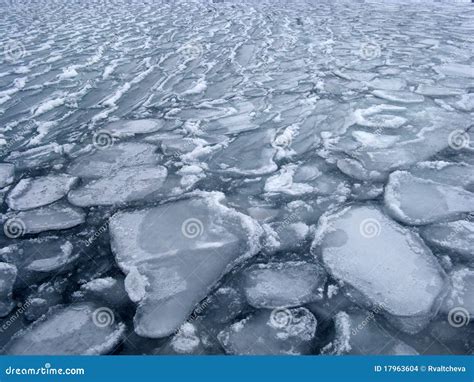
(174,254)
(383,263)
(74,329)
(237,177)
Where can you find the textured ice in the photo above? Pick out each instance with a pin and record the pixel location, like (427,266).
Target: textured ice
(105,161)
(398,96)
(388,83)
(44,297)
(39,258)
(455,174)
(437,91)
(359,333)
(7,173)
(249,154)
(129,128)
(8,274)
(290,110)
(37,157)
(125,185)
(107,289)
(456,237)
(375,141)
(279,331)
(416,201)
(73,329)
(225,304)
(56,216)
(37,192)
(176,253)
(185,341)
(372,164)
(404,279)
(287,237)
(465,102)
(456,70)
(462,293)
(312,177)
(276,285)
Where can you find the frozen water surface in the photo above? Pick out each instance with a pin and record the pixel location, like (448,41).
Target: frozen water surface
(236,177)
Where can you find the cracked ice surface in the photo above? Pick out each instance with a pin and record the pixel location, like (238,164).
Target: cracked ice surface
(228,177)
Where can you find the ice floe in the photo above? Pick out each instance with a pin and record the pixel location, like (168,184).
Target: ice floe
(31,193)
(39,258)
(104,162)
(403,279)
(417,201)
(204,170)
(123,128)
(53,217)
(174,254)
(125,185)
(278,331)
(75,329)
(359,333)
(455,237)
(276,285)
